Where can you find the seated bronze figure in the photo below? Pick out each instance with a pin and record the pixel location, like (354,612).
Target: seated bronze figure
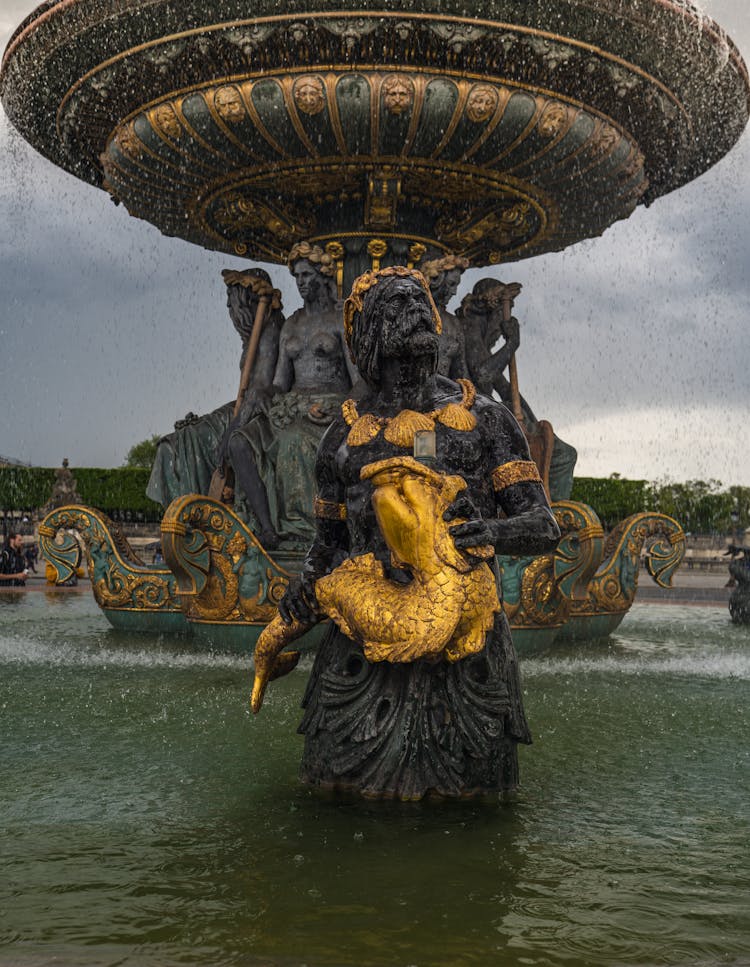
(272,445)
(187,458)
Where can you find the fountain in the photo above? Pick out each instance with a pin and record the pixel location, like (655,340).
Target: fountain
(346,143)
(383,141)
(379,134)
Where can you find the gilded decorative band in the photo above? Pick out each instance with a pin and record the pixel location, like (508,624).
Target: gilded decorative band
(173,527)
(515,472)
(46,531)
(328,510)
(593,531)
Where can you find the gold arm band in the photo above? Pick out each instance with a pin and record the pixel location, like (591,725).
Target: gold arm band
(517,471)
(328,510)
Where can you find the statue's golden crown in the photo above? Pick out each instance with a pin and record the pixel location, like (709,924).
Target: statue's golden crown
(435,267)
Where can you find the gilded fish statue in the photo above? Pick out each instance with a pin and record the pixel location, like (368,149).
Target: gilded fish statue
(444,612)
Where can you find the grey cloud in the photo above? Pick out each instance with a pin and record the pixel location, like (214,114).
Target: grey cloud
(109,332)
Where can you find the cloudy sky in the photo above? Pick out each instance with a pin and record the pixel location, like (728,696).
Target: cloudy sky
(634,345)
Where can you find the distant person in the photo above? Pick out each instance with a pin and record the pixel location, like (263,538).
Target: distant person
(12,563)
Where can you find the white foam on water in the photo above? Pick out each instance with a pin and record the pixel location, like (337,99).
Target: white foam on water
(727,665)
(21,650)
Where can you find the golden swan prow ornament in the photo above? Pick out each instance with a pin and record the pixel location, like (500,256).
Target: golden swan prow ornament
(444,612)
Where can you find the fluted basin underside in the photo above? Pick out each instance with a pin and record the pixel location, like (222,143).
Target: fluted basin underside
(517,131)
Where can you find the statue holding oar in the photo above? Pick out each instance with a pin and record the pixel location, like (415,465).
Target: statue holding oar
(186,459)
(260,449)
(486,314)
(264,297)
(271,445)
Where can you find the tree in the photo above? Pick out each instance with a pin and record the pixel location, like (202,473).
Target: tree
(142,454)
(613,498)
(700,506)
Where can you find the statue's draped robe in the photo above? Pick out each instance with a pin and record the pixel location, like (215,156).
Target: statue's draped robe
(186,458)
(409,729)
(284,442)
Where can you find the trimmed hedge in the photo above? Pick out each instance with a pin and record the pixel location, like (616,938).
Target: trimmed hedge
(700,506)
(119,491)
(703,507)
(25,488)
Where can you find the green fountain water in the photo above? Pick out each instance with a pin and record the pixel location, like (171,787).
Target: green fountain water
(147,819)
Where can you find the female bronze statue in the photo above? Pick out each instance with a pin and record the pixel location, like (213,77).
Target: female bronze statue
(405,727)
(483,325)
(443,276)
(272,446)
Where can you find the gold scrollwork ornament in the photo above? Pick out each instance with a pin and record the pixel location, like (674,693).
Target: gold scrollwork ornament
(376,249)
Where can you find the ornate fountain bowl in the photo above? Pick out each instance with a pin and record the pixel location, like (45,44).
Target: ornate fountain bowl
(499,136)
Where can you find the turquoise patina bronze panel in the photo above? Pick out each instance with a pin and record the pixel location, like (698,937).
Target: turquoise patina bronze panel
(236,115)
(158,133)
(268,100)
(219,119)
(353,99)
(484,106)
(310,96)
(440,100)
(516,118)
(192,146)
(567,159)
(396,106)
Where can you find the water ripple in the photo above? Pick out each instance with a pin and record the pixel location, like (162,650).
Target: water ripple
(729,665)
(22,650)
(146,818)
